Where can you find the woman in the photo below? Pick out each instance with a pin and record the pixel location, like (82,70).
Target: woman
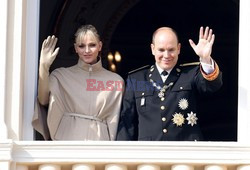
(83,100)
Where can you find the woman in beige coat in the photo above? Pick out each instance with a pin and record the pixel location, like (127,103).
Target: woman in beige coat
(83,100)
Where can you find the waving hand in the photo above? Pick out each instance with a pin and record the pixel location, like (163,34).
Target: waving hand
(204,47)
(47,56)
(48,51)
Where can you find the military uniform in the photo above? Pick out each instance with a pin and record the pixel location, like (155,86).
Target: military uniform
(157,111)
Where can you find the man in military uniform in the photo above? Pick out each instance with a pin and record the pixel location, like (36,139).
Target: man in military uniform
(160,100)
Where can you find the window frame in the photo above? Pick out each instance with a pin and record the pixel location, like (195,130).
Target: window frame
(31,70)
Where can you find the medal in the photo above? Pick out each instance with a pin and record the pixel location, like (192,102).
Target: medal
(183,104)
(162,90)
(191,118)
(161,94)
(178,119)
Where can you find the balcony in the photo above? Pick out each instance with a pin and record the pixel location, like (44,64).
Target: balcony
(90,155)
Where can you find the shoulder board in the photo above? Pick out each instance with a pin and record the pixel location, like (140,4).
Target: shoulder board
(138,69)
(190,64)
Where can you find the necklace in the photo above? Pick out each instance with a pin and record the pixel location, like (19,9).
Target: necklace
(163,89)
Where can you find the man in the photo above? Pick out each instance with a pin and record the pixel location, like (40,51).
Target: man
(160,101)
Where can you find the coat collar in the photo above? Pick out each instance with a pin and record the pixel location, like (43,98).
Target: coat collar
(154,74)
(174,75)
(90,67)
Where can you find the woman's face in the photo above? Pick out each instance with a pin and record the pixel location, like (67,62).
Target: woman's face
(88,48)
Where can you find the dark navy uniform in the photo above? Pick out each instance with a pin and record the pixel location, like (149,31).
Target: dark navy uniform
(157,111)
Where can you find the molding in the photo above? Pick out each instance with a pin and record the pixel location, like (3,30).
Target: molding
(30,72)
(3,50)
(243,72)
(229,153)
(5,150)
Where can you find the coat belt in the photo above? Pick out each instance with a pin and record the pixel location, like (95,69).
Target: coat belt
(86,117)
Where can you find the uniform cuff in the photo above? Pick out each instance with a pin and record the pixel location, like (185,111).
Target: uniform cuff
(212,76)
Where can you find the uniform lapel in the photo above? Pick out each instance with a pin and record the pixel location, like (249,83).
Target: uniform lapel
(155,75)
(173,76)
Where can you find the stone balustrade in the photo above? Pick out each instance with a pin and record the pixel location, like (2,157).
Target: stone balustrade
(121,155)
(126,167)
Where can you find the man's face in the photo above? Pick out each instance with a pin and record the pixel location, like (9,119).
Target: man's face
(166,49)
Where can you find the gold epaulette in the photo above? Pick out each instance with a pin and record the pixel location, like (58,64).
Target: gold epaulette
(190,64)
(138,69)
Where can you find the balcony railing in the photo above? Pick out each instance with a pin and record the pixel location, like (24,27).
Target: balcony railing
(93,155)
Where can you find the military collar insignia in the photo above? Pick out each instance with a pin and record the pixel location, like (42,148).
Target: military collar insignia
(152,69)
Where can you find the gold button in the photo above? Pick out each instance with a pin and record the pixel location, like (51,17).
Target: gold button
(162,99)
(142,94)
(181,88)
(163,119)
(162,107)
(165,130)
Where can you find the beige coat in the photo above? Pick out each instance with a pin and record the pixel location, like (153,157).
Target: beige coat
(84,103)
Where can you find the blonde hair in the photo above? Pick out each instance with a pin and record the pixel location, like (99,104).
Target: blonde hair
(86,29)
